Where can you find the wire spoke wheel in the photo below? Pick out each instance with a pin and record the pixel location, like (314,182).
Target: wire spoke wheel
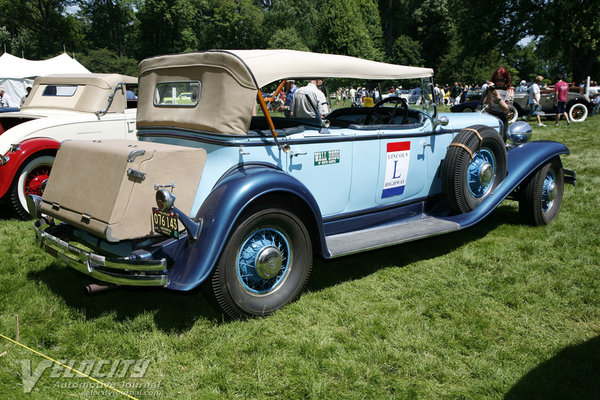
(265,264)
(541,195)
(28,181)
(474,165)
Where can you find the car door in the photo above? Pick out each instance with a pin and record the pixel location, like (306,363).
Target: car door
(323,163)
(403,166)
(547,101)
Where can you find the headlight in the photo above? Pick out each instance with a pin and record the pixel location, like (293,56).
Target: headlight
(519,132)
(164,199)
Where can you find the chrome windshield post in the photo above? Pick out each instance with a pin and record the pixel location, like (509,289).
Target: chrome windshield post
(111,97)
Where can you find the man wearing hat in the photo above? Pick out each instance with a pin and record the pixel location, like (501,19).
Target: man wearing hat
(6,100)
(534,100)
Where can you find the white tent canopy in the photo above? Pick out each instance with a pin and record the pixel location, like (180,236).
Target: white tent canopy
(16,73)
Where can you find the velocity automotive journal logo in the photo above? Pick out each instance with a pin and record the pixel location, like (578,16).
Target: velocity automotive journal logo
(94,370)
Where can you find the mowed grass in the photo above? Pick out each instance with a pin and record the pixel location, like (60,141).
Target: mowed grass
(500,310)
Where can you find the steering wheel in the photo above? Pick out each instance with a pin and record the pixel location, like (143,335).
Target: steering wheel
(386,119)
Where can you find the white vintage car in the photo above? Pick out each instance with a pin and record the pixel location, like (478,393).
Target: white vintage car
(60,107)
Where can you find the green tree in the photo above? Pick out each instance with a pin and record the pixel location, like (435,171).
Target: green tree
(108,23)
(300,15)
(407,51)
(165,26)
(428,26)
(234,24)
(287,38)
(41,28)
(351,27)
(566,32)
(107,61)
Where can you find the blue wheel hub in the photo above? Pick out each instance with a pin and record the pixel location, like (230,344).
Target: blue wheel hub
(481,173)
(263,261)
(549,191)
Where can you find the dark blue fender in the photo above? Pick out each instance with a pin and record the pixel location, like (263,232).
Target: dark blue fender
(522,162)
(219,212)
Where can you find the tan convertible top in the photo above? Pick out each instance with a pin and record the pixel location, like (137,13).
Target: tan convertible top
(91,95)
(230,80)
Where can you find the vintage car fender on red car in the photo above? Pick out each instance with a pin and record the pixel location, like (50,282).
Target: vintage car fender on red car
(14,159)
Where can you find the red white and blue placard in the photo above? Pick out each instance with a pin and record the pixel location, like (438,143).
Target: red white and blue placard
(396,168)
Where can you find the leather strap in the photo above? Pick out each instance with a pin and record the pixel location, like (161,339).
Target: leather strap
(462,146)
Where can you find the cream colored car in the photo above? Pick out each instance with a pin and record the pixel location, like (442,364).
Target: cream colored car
(60,107)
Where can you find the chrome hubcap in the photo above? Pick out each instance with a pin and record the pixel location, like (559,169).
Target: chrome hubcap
(486,174)
(549,192)
(263,261)
(269,262)
(481,173)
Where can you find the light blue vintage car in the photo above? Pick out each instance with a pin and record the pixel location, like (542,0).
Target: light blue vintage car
(220,193)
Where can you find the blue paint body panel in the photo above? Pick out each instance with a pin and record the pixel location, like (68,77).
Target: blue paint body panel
(221,206)
(522,162)
(218,214)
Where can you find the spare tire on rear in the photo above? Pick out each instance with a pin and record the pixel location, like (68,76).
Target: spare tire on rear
(474,166)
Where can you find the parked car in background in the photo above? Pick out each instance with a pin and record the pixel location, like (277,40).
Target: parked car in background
(578,105)
(59,107)
(474,94)
(467,106)
(238,204)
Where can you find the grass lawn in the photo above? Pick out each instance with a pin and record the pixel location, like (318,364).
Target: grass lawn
(497,311)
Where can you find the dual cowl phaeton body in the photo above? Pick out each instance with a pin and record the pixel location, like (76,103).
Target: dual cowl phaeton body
(211,195)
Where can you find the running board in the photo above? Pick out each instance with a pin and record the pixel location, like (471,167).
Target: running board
(390,234)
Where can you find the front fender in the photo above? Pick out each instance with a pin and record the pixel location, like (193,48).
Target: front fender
(522,160)
(219,213)
(16,158)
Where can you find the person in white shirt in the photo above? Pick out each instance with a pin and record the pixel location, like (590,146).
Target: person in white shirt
(6,100)
(307,99)
(535,107)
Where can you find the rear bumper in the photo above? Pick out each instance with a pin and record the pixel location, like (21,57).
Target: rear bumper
(129,270)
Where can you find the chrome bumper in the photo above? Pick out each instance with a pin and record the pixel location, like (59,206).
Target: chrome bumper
(118,270)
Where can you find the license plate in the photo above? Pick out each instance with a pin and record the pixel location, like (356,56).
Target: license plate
(165,223)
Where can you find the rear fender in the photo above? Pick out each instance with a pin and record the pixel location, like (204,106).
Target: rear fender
(19,155)
(220,211)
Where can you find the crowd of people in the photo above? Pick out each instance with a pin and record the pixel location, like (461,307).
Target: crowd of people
(497,96)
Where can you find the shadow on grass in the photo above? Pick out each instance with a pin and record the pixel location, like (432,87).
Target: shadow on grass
(6,211)
(177,311)
(357,266)
(571,374)
(173,311)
